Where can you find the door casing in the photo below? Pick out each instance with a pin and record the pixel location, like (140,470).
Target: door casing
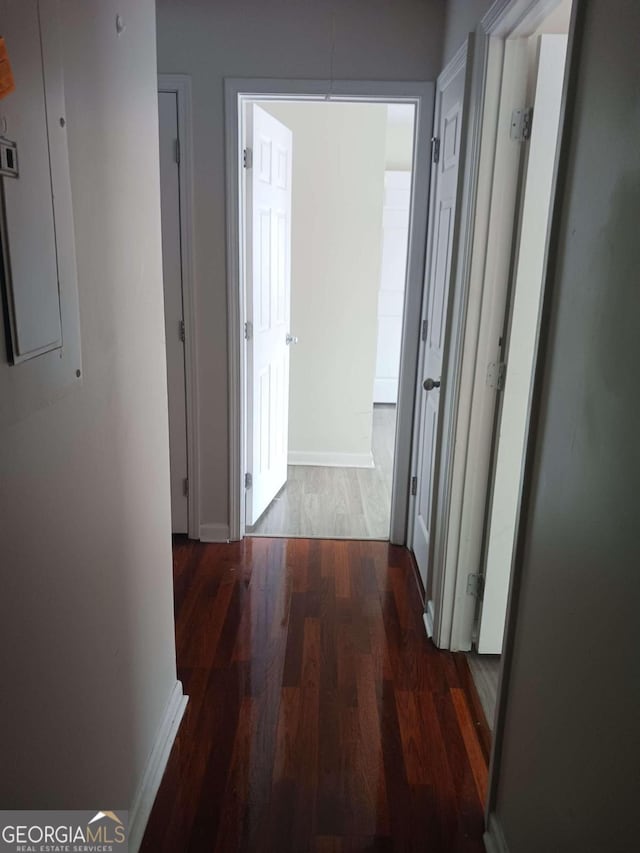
(237,92)
(519,342)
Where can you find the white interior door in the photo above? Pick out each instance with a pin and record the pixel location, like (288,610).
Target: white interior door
(395,233)
(522,340)
(173,310)
(444,183)
(268,239)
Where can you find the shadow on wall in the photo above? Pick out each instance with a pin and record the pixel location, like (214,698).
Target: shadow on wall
(615,320)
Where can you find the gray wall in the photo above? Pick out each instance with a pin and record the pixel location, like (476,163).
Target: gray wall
(569,777)
(360,39)
(461,18)
(87,654)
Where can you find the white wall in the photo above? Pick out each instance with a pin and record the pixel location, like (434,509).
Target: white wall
(462,17)
(338,186)
(87,650)
(399,138)
(362,39)
(568,774)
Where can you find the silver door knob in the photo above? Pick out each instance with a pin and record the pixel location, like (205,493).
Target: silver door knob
(290,339)
(430,384)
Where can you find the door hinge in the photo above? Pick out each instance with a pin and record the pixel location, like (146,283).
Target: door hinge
(475,585)
(425,329)
(414,486)
(521,121)
(248,330)
(247,158)
(248,481)
(496,375)
(185,487)
(435,149)
(181,331)
(177,151)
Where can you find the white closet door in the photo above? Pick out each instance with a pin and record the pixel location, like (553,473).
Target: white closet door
(522,340)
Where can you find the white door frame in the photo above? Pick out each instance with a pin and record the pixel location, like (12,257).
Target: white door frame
(180,84)
(463,475)
(237,92)
(544,78)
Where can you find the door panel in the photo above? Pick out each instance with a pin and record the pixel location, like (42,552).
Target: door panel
(268,308)
(444,185)
(173,310)
(522,341)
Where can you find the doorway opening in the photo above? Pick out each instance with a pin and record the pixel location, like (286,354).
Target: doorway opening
(326,198)
(330,250)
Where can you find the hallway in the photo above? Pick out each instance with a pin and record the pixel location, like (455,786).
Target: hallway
(320,717)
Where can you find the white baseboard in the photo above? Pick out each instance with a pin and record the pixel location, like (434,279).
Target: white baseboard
(152,776)
(494,841)
(214,532)
(330,459)
(428,619)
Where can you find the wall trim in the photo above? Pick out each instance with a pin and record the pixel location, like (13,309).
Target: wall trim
(181,85)
(145,795)
(455,64)
(420,94)
(214,533)
(494,840)
(330,459)
(512,17)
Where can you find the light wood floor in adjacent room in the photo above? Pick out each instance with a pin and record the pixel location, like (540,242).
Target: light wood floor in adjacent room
(338,503)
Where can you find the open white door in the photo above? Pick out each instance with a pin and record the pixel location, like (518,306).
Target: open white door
(527,289)
(268,309)
(173,307)
(444,185)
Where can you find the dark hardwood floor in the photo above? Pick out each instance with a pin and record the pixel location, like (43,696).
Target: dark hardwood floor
(320,717)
